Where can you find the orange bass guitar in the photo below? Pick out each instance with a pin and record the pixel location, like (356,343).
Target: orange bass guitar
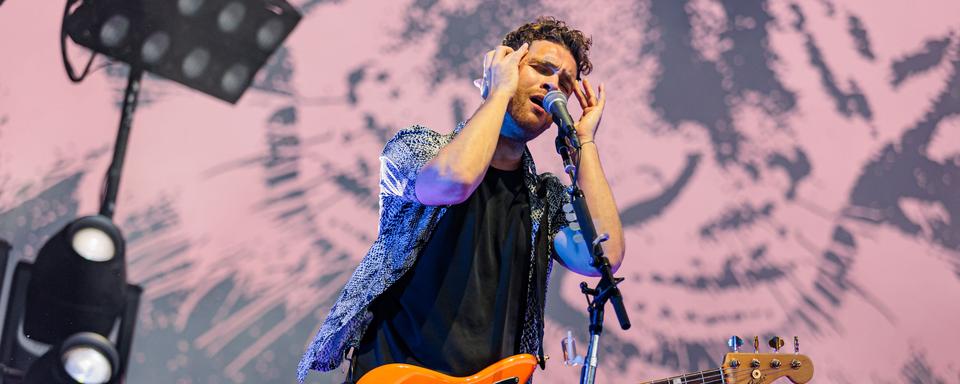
(738,368)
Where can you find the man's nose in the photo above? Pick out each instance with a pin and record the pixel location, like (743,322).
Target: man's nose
(550,86)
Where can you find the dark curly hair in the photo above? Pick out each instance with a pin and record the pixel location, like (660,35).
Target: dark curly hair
(550,29)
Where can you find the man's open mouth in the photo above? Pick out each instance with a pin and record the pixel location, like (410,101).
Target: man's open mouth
(538,101)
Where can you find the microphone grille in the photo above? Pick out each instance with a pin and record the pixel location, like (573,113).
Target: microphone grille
(553,96)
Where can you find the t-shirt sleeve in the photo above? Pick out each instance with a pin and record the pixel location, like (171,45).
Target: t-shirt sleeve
(403,157)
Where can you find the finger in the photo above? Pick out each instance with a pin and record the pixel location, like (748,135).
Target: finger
(501,52)
(603,96)
(515,56)
(603,101)
(588,91)
(580,96)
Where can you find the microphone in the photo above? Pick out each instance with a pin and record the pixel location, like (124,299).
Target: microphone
(555,102)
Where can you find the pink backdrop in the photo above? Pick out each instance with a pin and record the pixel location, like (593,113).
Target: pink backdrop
(781,169)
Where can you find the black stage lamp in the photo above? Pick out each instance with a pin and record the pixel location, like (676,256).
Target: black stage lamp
(74,299)
(84,357)
(79,282)
(214,46)
(70,314)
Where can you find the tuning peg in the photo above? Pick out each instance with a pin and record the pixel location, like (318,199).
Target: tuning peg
(734,342)
(756,344)
(776,343)
(796,344)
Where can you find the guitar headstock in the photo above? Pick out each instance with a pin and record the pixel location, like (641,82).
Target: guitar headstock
(761,368)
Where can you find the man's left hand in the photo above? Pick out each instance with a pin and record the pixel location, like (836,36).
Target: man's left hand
(592,103)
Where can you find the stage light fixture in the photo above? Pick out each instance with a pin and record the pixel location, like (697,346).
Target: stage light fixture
(78,283)
(84,357)
(75,294)
(214,46)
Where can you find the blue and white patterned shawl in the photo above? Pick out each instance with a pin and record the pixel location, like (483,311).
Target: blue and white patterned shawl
(404,228)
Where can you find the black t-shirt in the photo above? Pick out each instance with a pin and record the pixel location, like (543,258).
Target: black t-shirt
(460,307)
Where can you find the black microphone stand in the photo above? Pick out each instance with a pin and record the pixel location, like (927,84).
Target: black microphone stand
(606,288)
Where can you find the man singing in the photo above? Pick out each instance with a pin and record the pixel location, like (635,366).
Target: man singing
(456,278)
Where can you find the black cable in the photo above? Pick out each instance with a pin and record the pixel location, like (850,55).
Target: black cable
(63,47)
(576,171)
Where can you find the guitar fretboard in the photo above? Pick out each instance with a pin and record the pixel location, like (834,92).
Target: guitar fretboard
(712,376)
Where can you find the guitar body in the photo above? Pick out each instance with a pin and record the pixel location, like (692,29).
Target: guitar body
(737,368)
(512,370)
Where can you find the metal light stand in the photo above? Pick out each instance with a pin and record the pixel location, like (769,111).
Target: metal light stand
(606,288)
(12,358)
(109,203)
(112,182)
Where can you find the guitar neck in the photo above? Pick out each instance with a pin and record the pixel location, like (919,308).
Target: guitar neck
(710,376)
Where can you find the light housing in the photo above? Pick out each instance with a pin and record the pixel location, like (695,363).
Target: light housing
(214,46)
(84,357)
(71,293)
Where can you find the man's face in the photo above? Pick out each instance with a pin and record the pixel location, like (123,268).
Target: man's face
(546,66)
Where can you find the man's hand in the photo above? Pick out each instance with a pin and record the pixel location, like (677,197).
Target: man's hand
(592,109)
(592,180)
(501,70)
(459,167)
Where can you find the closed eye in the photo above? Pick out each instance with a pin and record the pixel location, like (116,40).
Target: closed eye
(544,70)
(548,70)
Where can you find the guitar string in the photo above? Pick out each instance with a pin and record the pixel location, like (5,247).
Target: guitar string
(737,376)
(715,377)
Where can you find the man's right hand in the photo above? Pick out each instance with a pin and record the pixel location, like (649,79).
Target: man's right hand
(452,176)
(501,70)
